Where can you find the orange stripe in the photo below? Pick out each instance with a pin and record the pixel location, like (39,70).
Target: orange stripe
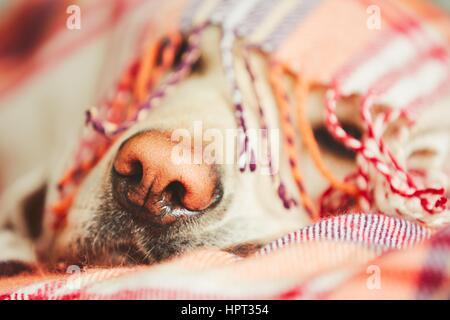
(146,66)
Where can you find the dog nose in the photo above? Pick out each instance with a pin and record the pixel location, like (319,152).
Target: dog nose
(146,175)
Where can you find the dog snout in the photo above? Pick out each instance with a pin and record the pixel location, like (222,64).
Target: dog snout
(147,180)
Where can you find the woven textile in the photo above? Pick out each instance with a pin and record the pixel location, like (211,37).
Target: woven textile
(335,258)
(403,252)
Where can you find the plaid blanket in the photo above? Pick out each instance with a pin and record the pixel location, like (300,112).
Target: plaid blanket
(344,257)
(364,256)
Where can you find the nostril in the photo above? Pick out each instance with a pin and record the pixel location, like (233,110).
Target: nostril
(176,192)
(124,182)
(134,174)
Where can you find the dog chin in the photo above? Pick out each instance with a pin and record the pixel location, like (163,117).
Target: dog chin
(112,238)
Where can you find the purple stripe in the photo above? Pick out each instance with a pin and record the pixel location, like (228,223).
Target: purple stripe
(340,228)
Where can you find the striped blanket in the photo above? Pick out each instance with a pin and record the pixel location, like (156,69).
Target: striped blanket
(362,256)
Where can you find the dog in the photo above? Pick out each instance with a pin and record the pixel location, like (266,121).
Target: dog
(136,206)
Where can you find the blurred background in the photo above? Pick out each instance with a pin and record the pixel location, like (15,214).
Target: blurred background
(58,58)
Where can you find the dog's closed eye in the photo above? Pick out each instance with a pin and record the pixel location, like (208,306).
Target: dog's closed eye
(182,48)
